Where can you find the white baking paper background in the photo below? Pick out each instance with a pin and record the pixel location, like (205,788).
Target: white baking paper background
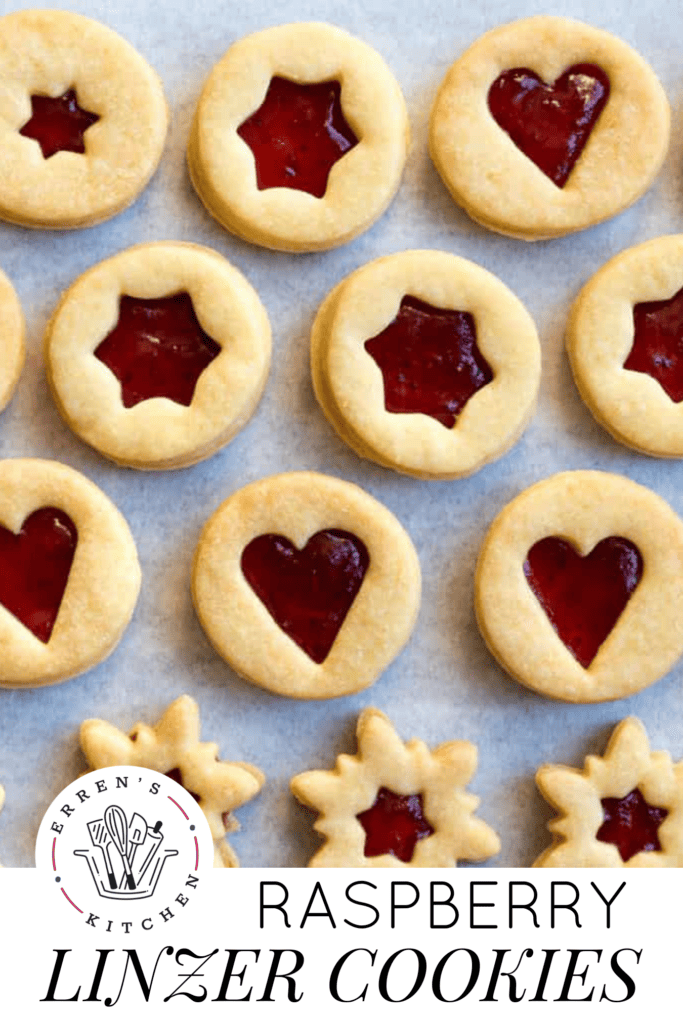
(445,685)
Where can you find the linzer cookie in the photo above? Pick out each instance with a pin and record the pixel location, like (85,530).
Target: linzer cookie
(425,363)
(306,585)
(173,748)
(579,587)
(547,126)
(395,804)
(82,120)
(625,344)
(622,810)
(69,573)
(12,348)
(299,138)
(158,356)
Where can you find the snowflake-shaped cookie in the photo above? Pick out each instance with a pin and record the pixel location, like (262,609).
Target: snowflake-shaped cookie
(396,804)
(622,810)
(172,747)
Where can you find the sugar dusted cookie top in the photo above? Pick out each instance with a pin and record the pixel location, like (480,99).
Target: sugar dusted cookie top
(624,809)
(396,804)
(173,748)
(82,120)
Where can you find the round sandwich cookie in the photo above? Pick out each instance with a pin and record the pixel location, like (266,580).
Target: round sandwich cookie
(306,585)
(158,356)
(299,138)
(625,345)
(546,126)
(69,573)
(426,363)
(12,346)
(83,120)
(579,587)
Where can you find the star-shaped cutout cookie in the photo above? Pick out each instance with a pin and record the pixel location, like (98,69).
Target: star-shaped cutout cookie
(630,800)
(158,349)
(658,343)
(172,747)
(427,814)
(297,135)
(58,123)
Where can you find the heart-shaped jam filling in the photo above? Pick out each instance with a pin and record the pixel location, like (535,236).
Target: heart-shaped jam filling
(34,568)
(297,135)
(158,349)
(307,592)
(583,596)
(658,343)
(550,123)
(394,824)
(58,123)
(430,361)
(631,824)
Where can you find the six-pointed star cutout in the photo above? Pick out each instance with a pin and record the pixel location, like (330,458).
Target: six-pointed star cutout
(430,361)
(297,135)
(157,349)
(58,123)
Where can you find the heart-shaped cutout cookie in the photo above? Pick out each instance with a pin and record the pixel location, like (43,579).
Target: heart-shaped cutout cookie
(583,596)
(310,591)
(34,568)
(551,124)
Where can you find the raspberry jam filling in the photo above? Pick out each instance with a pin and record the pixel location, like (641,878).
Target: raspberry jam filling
(550,123)
(631,824)
(297,135)
(58,123)
(177,776)
(34,568)
(658,343)
(583,596)
(394,824)
(307,592)
(429,360)
(157,349)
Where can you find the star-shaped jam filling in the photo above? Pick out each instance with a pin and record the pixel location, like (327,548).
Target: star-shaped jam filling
(631,824)
(430,361)
(58,123)
(297,135)
(583,596)
(157,349)
(34,568)
(394,824)
(658,343)
(551,124)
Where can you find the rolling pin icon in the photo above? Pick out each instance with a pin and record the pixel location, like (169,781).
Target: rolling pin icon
(156,836)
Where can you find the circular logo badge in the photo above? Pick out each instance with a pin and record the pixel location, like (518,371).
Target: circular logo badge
(127,847)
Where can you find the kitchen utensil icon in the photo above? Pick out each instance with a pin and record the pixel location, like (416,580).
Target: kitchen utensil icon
(116,823)
(137,833)
(155,835)
(99,836)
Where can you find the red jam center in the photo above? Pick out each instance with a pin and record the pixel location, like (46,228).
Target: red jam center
(583,597)
(34,568)
(658,343)
(297,135)
(157,349)
(177,776)
(429,360)
(307,592)
(631,824)
(58,123)
(550,123)
(394,824)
